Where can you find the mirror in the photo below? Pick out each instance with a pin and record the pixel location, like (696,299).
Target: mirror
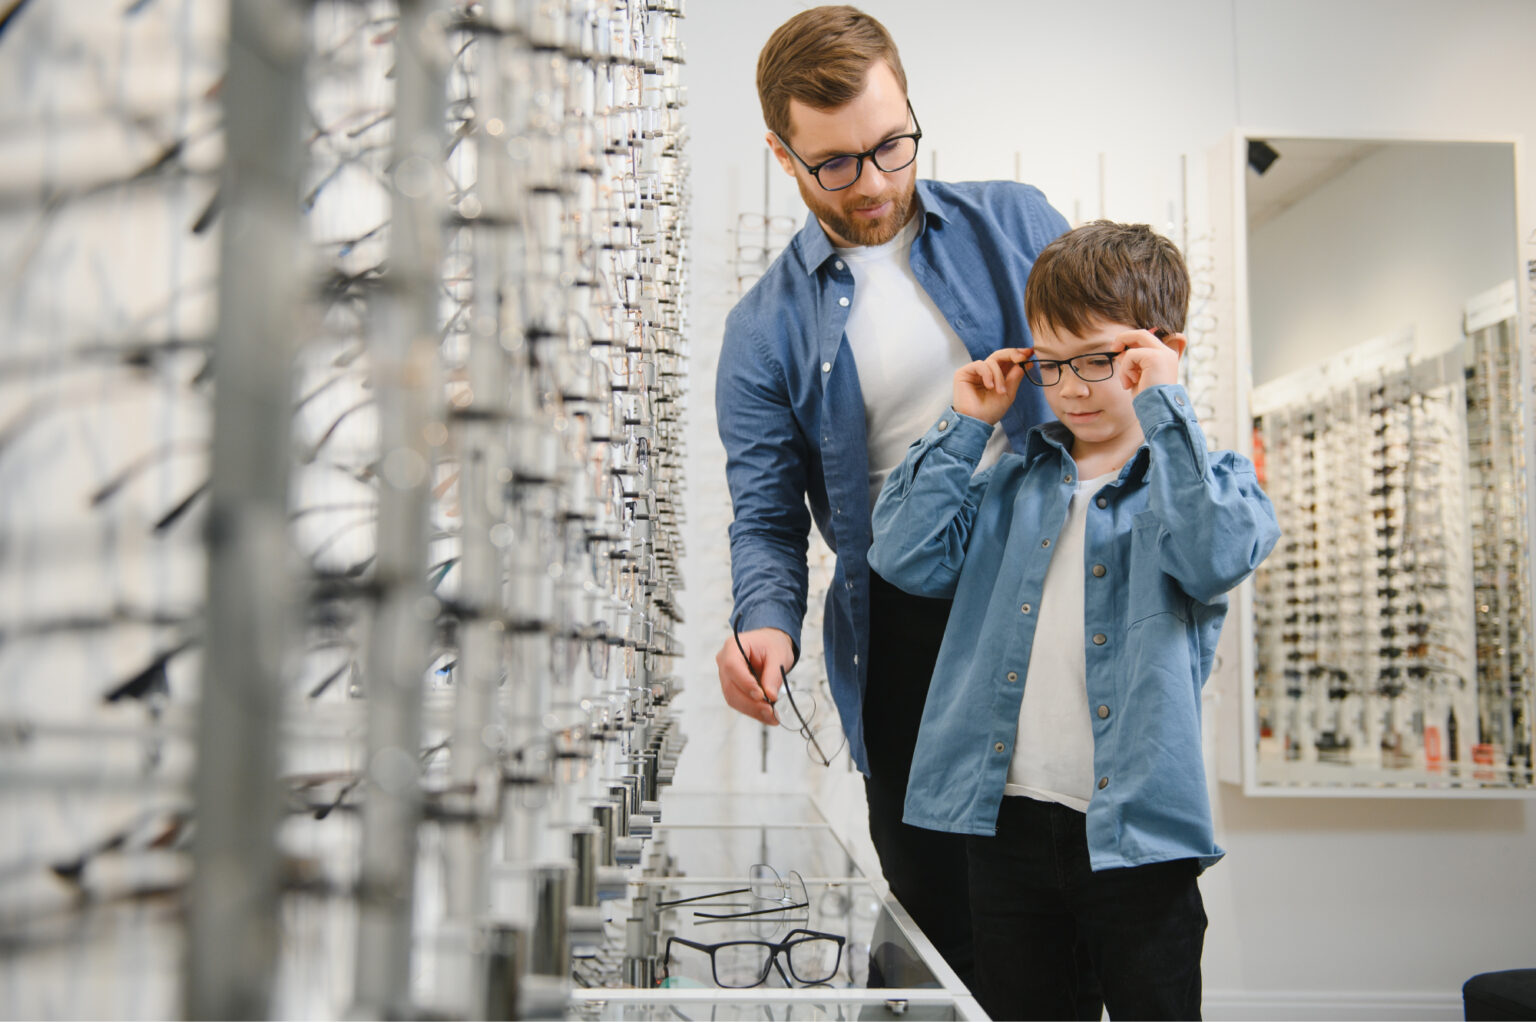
(1392,625)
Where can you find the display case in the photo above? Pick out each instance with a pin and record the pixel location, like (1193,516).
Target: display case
(736,886)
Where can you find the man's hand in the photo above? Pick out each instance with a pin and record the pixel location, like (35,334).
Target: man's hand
(985,390)
(1146,361)
(768,649)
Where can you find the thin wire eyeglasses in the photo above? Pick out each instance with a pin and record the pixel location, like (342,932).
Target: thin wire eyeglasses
(842,170)
(780,895)
(1091,368)
(813,957)
(805,726)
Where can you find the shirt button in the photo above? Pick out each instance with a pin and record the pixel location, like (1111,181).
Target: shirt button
(838,264)
(1045,542)
(1178,400)
(1100,638)
(1098,571)
(1103,710)
(826,367)
(1066,479)
(843,301)
(1025,608)
(1102,502)
(943,424)
(1103,783)
(856,656)
(1013,675)
(999,747)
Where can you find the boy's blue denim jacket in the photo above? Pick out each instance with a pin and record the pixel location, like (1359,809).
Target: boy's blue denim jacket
(791,414)
(1163,544)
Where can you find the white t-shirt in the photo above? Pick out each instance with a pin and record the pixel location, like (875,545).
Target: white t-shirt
(906,352)
(1053,750)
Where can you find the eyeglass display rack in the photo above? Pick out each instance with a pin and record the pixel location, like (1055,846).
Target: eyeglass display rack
(340,498)
(1392,624)
(706,846)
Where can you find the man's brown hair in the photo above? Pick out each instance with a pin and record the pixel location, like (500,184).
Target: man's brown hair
(821,57)
(1117,273)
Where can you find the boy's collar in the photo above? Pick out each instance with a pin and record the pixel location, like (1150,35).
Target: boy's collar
(1054,435)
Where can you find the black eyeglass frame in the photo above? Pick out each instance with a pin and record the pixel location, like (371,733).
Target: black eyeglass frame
(1033,366)
(772,962)
(805,726)
(869,154)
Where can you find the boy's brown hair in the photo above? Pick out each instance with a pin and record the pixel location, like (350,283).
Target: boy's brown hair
(1117,273)
(821,57)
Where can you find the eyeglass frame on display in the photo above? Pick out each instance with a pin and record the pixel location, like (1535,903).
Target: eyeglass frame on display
(787,903)
(772,962)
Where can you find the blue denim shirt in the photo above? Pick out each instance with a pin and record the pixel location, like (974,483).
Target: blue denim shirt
(791,415)
(1162,545)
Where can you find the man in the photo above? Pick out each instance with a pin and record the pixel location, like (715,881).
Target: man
(831,365)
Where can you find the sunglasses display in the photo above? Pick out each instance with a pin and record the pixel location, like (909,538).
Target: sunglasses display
(1392,624)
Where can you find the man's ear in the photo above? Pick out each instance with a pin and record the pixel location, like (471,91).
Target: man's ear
(1177,342)
(780,153)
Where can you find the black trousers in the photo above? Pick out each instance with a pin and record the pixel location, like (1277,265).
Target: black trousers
(1036,899)
(926,869)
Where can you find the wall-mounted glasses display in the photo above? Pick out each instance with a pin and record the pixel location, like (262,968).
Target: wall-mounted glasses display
(344,360)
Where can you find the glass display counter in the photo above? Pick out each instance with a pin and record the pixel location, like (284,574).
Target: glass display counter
(750,907)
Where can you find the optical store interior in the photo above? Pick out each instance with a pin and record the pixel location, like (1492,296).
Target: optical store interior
(365,531)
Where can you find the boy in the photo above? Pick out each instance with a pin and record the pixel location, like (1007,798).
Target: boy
(1062,732)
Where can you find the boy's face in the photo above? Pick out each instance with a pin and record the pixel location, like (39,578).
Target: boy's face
(1099,414)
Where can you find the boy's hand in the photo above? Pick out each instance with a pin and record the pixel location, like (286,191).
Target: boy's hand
(985,390)
(1146,361)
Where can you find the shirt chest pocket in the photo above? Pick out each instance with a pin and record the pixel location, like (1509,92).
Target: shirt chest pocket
(1152,591)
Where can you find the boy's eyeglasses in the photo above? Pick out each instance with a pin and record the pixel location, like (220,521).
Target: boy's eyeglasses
(1090,368)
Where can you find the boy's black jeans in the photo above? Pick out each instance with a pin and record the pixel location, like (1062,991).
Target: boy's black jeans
(1034,898)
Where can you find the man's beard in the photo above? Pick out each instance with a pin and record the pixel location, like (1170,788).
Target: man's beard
(857,230)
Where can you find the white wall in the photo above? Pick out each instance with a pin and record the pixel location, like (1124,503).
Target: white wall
(1325,908)
(1402,239)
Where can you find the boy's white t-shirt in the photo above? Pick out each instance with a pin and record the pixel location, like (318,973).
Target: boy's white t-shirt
(906,353)
(1053,749)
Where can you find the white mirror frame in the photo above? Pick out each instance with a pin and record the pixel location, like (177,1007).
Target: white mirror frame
(1237,713)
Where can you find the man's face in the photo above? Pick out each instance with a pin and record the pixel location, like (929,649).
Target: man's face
(875,207)
(1100,415)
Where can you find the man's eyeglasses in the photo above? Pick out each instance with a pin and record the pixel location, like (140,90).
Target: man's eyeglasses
(838,172)
(801,723)
(812,956)
(1091,368)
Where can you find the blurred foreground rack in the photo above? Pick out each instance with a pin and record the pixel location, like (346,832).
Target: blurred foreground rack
(343,359)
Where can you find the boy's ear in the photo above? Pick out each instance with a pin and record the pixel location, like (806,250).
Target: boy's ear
(1177,342)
